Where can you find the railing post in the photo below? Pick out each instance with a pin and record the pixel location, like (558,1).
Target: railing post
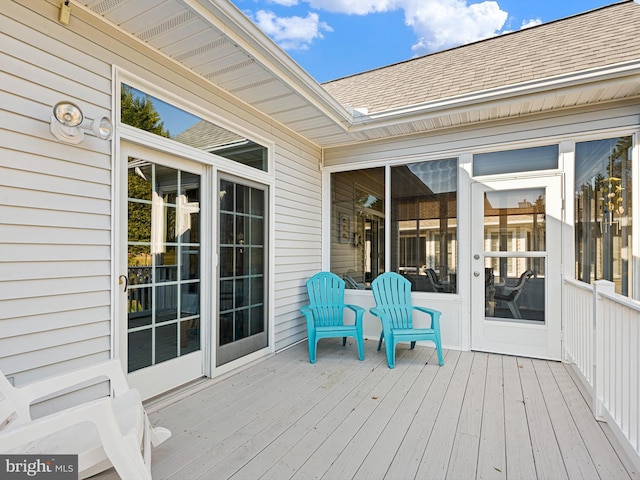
(599,346)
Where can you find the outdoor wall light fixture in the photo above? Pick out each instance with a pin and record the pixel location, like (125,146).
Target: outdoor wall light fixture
(68,124)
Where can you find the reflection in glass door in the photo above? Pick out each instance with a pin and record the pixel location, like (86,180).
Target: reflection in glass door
(516,250)
(373,247)
(242,326)
(515,254)
(163,304)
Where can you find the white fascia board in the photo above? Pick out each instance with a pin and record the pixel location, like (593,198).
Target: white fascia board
(542,87)
(229,19)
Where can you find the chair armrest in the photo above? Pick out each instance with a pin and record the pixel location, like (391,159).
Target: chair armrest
(434,314)
(385,320)
(355,308)
(428,311)
(110,370)
(358,310)
(97,412)
(308,315)
(383,315)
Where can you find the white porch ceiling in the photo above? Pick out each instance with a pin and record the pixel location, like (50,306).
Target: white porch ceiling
(216,41)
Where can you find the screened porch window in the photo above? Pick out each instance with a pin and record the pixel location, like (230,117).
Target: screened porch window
(514,161)
(603,221)
(357,227)
(424,224)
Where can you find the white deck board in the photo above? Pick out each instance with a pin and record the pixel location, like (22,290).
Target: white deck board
(464,456)
(520,463)
(479,416)
(384,406)
(411,451)
(491,456)
(379,458)
(576,458)
(435,460)
(334,432)
(600,449)
(546,454)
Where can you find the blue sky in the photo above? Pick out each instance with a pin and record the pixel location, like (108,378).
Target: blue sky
(335,38)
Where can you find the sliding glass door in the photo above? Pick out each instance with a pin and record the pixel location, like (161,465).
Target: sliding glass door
(161,275)
(242,273)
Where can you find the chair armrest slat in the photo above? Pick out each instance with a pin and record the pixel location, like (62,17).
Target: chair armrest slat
(355,308)
(110,370)
(428,311)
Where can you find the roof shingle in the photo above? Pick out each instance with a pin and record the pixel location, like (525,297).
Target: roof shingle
(604,36)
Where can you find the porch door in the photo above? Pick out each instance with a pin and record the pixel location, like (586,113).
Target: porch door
(516,266)
(242,303)
(161,284)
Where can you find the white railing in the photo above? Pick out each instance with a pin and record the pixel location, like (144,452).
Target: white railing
(602,338)
(577,303)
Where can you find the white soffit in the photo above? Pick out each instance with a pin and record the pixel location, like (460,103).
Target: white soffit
(216,41)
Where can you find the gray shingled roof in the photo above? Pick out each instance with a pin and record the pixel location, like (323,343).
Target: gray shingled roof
(605,36)
(206,136)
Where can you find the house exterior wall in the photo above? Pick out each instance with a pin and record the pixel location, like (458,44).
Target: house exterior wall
(563,128)
(56,200)
(491,136)
(57,214)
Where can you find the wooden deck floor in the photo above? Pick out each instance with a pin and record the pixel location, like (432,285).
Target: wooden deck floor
(479,416)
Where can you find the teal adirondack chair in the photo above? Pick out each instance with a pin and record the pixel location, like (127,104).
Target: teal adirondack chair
(392,293)
(325,313)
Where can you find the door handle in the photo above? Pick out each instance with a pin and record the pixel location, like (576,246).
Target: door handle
(124,279)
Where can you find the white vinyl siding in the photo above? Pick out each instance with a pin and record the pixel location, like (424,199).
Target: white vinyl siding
(55,199)
(297,239)
(55,203)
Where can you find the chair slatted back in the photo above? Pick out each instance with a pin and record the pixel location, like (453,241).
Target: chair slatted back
(392,293)
(326,299)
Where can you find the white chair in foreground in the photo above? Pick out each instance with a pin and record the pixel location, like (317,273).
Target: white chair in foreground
(110,431)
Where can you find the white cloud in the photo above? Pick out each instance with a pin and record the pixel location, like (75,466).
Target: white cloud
(438,24)
(530,23)
(355,7)
(292,33)
(525,24)
(441,24)
(285,3)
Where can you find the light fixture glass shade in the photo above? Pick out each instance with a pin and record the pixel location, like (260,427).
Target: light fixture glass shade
(102,128)
(68,114)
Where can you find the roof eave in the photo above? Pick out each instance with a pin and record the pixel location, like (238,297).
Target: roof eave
(238,27)
(550,86)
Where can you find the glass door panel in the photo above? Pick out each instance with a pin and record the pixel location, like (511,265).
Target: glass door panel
(515,254)
(242,325)
(163,263)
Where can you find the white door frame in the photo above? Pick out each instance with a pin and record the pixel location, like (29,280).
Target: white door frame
(162,377)
(514,337)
